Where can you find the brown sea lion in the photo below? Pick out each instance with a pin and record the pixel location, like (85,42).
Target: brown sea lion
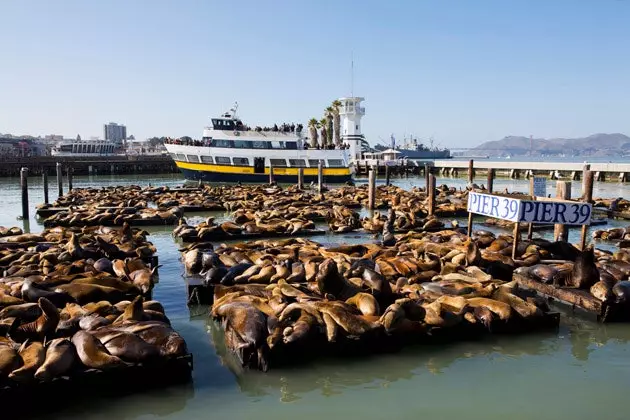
(33,355)
(42,327)
(501,309)
(86,293)
(143,279)
(60,357)
(329,281)
(131,348)
(92,352)
(25,311)
(365,303)
(113,282)
(9,359)
(621,291)
(584,274)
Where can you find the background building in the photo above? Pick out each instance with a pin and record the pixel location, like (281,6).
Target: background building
(114,132)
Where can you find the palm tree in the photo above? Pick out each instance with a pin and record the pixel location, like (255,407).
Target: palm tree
(329,125)
(313,125)
(324,135)
(336,122)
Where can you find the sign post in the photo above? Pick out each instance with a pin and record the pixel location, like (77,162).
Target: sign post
(529,211)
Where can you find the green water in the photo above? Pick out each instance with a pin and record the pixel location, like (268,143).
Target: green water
(581,371)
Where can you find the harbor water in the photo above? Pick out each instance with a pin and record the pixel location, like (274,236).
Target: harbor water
(581,371)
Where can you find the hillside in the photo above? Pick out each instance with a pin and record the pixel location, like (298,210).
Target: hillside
(601,144)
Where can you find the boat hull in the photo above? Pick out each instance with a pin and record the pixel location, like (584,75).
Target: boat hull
(246,174)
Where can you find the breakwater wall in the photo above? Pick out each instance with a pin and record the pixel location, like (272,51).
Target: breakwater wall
(84,165)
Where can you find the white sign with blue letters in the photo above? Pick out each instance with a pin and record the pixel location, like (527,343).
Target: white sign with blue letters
(541,212)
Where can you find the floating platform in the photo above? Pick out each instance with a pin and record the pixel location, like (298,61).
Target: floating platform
(110,223)
(24,400)
(582,302)
(222,235)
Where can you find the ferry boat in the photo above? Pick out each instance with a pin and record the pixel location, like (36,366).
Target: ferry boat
(230,151)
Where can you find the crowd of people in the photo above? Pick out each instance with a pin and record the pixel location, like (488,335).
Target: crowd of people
(283,128)
(331,146)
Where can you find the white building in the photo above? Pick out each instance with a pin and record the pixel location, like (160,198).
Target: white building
(351,113)
(113,132)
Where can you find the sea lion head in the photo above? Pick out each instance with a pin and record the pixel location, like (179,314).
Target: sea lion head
(485,316)
(328,278)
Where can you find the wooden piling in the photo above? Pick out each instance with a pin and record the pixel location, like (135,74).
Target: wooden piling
(24,187)
(563,192)
(431,193)
(517,239)
(69,171)
(587,195)
(427,175)
(59,179)
(387,175)
(300,178)
(530,226)
(490,181)
(371,188)
(45,182)
(470,223)
(320,177)
(471,171)
(271,174)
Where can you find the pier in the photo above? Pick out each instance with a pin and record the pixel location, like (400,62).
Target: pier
(91,165)
(554,170)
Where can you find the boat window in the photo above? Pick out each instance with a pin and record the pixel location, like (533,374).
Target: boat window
(222,160)
(278,162)
(240,161)
(174,156)
(298,163)
(313,163)
(192,158)
(206,159)
(242,144)
(335,163)
(222,143)
(276,144)
(261,145)
(181,157)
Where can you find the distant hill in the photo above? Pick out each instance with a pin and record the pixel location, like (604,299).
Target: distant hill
(601,144)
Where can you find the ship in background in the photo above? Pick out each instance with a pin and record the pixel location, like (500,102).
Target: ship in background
(412,148)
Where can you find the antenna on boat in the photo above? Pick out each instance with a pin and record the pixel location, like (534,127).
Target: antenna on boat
(352,74)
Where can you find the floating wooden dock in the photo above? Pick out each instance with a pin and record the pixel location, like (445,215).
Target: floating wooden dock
(582,302)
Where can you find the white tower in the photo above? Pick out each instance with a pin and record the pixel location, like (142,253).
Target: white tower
(351,112)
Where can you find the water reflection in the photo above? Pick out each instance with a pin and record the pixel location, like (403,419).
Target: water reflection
(333,376)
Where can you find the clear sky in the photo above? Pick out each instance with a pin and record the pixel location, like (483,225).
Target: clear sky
(462,71)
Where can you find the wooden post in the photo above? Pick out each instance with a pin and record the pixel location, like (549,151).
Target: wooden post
(69,170)
(24,186)
(320,177)
(471,171)
(427,175)
(470,223)
(59,179)
(585,170)
(300,178)
(587,194)
(530,226)
(387,175)
(563,192)
(371,188)
(45,182)
(431,193)
(270,174)
(490,182)
(517,238)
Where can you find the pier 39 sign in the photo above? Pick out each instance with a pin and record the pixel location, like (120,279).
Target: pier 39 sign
(543,212)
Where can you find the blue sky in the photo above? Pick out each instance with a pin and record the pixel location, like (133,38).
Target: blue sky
(462,71)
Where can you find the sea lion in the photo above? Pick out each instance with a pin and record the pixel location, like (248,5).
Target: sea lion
(263,276)
(25,311)
(60,357)
(365,303)
(92,352)
(42,327)
(329,281)
(33,355)
(501,309)
(122,285)
(86,293)
(621,291)
(584,274)
(9,359)
(104,265)
(251,271)
(131,348)
(32,292)
(143,279)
